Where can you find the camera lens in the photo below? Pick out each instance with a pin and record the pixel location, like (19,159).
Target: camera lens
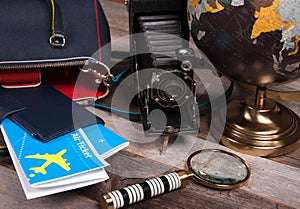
(170,88)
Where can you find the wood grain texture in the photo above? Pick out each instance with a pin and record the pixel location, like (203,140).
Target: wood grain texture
(270,180)
(12,196)
(117,17)
(274,182)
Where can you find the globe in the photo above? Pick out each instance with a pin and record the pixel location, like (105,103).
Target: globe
(255,42)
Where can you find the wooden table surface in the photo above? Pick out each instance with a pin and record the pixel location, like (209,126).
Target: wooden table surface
(274,182)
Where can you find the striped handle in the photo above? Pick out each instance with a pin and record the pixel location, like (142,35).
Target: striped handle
(145,190)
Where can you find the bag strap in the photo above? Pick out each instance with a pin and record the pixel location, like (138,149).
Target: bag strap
(57,38)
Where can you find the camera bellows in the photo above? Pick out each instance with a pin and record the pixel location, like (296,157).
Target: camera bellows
(163,36)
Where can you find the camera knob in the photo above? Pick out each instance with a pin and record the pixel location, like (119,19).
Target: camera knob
(186,65)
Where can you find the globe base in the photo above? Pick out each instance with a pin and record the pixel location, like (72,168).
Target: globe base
(268,130)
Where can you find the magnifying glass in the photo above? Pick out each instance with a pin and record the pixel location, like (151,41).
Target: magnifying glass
(214,168)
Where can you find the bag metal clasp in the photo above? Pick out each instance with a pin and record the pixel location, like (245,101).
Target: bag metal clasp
(57,40)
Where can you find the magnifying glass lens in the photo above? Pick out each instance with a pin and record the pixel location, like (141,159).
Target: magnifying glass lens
(218,169)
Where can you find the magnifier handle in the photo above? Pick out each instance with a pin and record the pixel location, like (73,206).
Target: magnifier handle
(146,190)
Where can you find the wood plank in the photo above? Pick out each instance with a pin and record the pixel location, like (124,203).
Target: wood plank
(117,16)
(119,1)
(12,196)
(274,182)
(201,197)
(269,179)
(193,196)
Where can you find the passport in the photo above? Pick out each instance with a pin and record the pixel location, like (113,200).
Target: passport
(47,113)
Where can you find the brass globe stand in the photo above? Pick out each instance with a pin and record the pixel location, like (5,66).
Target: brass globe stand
(260,126)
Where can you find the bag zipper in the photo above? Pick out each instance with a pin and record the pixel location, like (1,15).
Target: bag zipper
(81,62)
(51,63)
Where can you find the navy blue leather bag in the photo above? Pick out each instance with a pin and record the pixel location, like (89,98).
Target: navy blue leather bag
(51,33)
(49,41)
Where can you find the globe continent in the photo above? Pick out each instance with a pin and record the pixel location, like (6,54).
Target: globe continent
(253,41)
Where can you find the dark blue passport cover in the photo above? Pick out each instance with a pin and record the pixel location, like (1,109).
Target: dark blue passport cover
(48,113)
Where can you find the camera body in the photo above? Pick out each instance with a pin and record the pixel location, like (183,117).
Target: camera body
(163,64)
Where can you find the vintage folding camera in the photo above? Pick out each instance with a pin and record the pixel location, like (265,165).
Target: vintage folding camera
(163,64)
